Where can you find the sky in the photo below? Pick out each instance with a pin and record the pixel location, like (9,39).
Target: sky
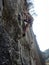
(41,23)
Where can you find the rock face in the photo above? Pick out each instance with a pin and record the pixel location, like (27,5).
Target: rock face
(37,52)
(14,48)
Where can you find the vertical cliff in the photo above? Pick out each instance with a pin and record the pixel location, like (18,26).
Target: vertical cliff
(16,40)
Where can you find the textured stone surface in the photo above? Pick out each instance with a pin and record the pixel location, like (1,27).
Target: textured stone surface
(15,52)
(4,45)
(15,49)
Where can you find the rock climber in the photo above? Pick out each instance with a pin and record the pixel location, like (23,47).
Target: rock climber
(28,20)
